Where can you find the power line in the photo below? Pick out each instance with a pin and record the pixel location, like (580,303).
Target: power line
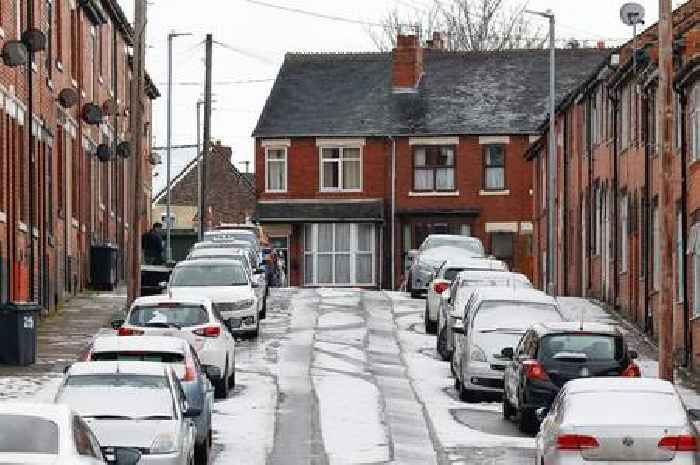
(313,13)
(247,53)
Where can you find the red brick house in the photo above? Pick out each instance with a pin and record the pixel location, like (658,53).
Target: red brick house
(362,155)
(78,200)
(608,198)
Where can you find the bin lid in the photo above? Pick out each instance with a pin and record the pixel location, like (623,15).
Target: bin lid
(20,307)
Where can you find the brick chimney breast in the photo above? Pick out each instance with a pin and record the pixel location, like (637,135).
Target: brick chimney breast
(406,63)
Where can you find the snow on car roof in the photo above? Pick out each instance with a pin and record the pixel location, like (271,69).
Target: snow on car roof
(501,274)
(193,298)
(122,367)
(619,384)
(512,294)
(474,263)
(216,251)
(58,413)
(207,261)
(139,343)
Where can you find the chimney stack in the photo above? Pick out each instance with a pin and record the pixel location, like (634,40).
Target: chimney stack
(407,63)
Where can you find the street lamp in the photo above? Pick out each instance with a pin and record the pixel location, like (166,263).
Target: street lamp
(551,155)
(171,36)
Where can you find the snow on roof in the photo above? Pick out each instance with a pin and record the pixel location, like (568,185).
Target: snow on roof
(139,343)
(105,368)
(194,298)
(618,384)
(512,294)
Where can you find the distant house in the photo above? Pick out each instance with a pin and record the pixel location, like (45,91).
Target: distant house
(362,155)
(230,198)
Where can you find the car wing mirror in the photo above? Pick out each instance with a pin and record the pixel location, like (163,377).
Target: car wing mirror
(694,414)
(66,368)
(507,353)
(633,354)
(126,456)
(541,413)
(212,372)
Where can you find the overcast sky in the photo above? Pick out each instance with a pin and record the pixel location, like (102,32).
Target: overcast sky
(262,35)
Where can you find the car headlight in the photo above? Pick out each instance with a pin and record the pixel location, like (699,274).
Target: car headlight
(164,443)
(477,354)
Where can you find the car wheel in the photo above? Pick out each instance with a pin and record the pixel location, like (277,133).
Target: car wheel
(442,345)
(221,386)
(527,422)
(508,409)
(430,327)
(232,379)
(201,453)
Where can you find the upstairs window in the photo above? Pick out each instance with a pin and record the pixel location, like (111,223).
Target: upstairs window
(494,167)
(276,169)
(341,169)
(434,168)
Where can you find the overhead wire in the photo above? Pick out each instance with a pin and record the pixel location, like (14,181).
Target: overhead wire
(247,53)
(313,13)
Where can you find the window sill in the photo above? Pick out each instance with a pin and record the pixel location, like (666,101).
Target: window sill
(269,191)
(487,193)
(35,67)
(339,191)
(434,194)
(22,227)
(101,80)
(3,217)
(102,207)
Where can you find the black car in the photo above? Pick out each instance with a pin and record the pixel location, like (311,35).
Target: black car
(550,354)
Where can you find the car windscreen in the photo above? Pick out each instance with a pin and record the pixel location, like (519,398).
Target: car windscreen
(229,274)
(168,316)
(581,347)
(25,434)
(490,341)
(118,381)
(464,243)
(137,356)
(513,315)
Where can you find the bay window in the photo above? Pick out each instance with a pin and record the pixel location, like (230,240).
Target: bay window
(341,169)
(433,168)
(340,254)
(276,169)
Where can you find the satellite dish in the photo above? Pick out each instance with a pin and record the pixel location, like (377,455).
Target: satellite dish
(92,114)
(34,40)
(67,97)
(632,14)
(14,53)
(124,149)
(103,152)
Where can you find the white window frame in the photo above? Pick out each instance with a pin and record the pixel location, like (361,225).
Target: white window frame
(267,167)
(341,181)
(312,254)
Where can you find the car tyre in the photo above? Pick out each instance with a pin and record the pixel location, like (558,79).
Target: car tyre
(441,345)
(430,327)
(508,409)
(221,386)
(201,453)
(467,395)
(232,379)
(527,422)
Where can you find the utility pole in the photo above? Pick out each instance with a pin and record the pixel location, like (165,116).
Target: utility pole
(551,157)
(29,125)
(200,160)
(207,133)
(136,129)
(665,116)
(168,227)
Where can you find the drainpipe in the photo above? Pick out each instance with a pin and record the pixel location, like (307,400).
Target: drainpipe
(565,206)
(592,225)
(647,216)
(615,102)
(687,339)
(393,213)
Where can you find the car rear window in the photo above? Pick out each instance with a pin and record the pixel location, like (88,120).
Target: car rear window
(631,407)
(451,273)
(589,347)
(229,274)
(118,380)
(24,434)
(494,314)
(141,356)
(168,316)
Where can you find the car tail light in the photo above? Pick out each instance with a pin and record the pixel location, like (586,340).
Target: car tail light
(189,368)
(130,331)
(208,331)
(440,287)
(535,370)
(576,442)
(682,443)
(632,371)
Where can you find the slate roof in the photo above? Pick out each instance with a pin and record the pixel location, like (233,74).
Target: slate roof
(460,93)
(320,211)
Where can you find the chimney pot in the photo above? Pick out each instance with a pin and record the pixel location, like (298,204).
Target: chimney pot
(407,62)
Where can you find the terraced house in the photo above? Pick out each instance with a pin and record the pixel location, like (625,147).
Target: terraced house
(76,194)
(361,155)
(609,182)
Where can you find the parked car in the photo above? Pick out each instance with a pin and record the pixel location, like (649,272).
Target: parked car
(258,275)
(443,276)
(51,435)
(617,421)
(227,284)
(496,317)
(133,404)
(434,250)
(551,354)
(181,356)
(456,298)
(243,245)
(194,319)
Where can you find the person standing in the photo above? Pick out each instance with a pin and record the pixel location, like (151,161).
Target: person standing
(152,245)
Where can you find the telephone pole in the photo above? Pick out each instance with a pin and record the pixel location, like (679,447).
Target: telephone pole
(200,160)
(136,129)
(207,134)
(664,109)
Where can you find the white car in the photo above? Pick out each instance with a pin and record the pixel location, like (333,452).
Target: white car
(227,284)
(192,318)
(258,275)
(434,250)
(50,434)
(133,404)
(456,298)
(443,277)
(617,421)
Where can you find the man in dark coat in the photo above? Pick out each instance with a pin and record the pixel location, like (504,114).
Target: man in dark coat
(152,245)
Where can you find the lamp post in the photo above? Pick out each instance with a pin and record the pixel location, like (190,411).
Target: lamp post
(551,155)
(171,36)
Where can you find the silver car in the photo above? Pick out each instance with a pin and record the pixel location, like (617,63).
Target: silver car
(51,435)
(434,250)
(495,318)
(133,404)
(617,420)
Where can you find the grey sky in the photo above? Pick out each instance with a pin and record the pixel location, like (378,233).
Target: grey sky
(265,34)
